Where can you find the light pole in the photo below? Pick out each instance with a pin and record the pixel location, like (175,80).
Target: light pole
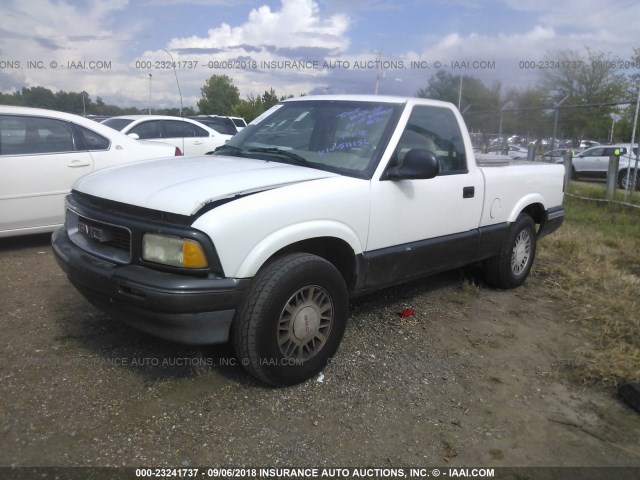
(84,107)
(614,118)
(150,76)
(555,121)
(379,71)
(176,74)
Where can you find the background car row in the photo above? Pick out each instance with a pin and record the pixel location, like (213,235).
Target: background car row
(43,152)
(190,136)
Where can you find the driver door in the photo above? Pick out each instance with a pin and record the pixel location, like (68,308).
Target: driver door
(423,226)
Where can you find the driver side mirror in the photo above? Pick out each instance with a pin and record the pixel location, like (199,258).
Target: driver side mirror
(135,136)
(418,164)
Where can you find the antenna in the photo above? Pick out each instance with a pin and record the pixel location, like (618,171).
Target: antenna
(176,74)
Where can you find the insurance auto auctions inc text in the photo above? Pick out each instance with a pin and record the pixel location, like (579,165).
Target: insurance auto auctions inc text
(339,473)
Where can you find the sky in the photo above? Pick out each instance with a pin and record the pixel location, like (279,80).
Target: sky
(122,50)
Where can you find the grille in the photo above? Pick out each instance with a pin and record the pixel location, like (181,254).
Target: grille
(104,240)
(105,234)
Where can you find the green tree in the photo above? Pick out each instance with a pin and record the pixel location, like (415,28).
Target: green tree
(269,99)
(249,108)
(482,102)
(219,96)
(14,98)
(39,97)
(255,105)
(72,102)
(530,117)
(580,81)
(175,112)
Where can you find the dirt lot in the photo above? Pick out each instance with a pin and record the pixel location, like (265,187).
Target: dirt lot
(477,377)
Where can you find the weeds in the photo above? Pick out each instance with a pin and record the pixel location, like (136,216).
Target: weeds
(593,262)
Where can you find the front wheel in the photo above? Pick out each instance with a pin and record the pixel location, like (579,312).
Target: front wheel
(511,267)
(574,175)
(292,320)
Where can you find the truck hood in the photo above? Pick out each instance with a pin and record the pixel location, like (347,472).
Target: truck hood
(183,185)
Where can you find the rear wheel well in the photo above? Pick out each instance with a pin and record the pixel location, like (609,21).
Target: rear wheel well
(336,251)
(537,212)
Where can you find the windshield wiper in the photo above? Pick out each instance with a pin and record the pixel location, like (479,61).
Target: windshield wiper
(286,153)
(234,150)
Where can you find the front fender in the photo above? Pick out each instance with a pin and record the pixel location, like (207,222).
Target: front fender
(291,234)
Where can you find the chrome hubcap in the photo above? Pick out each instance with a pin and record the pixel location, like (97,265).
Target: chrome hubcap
(626,182)
(305,323)
(521,252)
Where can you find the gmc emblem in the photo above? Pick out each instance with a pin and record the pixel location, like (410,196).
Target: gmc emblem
(94,233)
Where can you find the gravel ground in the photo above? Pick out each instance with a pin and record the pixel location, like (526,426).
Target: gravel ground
(477,377)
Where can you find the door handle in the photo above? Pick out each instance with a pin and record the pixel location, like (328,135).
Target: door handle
(78,164)
(197,142)
(468,192)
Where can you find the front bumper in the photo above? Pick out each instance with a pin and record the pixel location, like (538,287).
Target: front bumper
(181,308)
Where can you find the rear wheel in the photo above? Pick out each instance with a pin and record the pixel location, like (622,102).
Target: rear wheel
(511,267)
(292,320)
(625,178)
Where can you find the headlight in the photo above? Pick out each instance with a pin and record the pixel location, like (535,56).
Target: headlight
(173,251)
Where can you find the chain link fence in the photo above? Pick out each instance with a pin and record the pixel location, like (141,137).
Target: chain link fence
(596,170)
(614,179)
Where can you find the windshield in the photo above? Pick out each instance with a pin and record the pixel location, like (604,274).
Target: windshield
(340,136)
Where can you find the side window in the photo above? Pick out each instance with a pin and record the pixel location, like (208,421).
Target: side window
(146,130)
(596,152)
(199,132)
(435,129)
(612,151)
(93,140)
(177,129)
(22,135)
(223,128)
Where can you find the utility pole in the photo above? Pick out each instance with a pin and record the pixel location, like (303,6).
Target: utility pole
(150,76)
(555,121)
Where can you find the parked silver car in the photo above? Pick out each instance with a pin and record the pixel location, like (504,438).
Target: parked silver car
(593,163)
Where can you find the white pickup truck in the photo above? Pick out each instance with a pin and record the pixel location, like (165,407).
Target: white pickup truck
(317,201)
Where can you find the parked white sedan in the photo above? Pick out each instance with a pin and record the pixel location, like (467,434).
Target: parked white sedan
(42,152)
(513,151)
(193,138)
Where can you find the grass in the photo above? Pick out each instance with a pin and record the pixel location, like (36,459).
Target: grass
(593,264)
(598,190)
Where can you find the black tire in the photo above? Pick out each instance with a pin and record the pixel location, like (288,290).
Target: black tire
(292,320)
(630,393)
(574,175)
(511,267)
(623,180)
